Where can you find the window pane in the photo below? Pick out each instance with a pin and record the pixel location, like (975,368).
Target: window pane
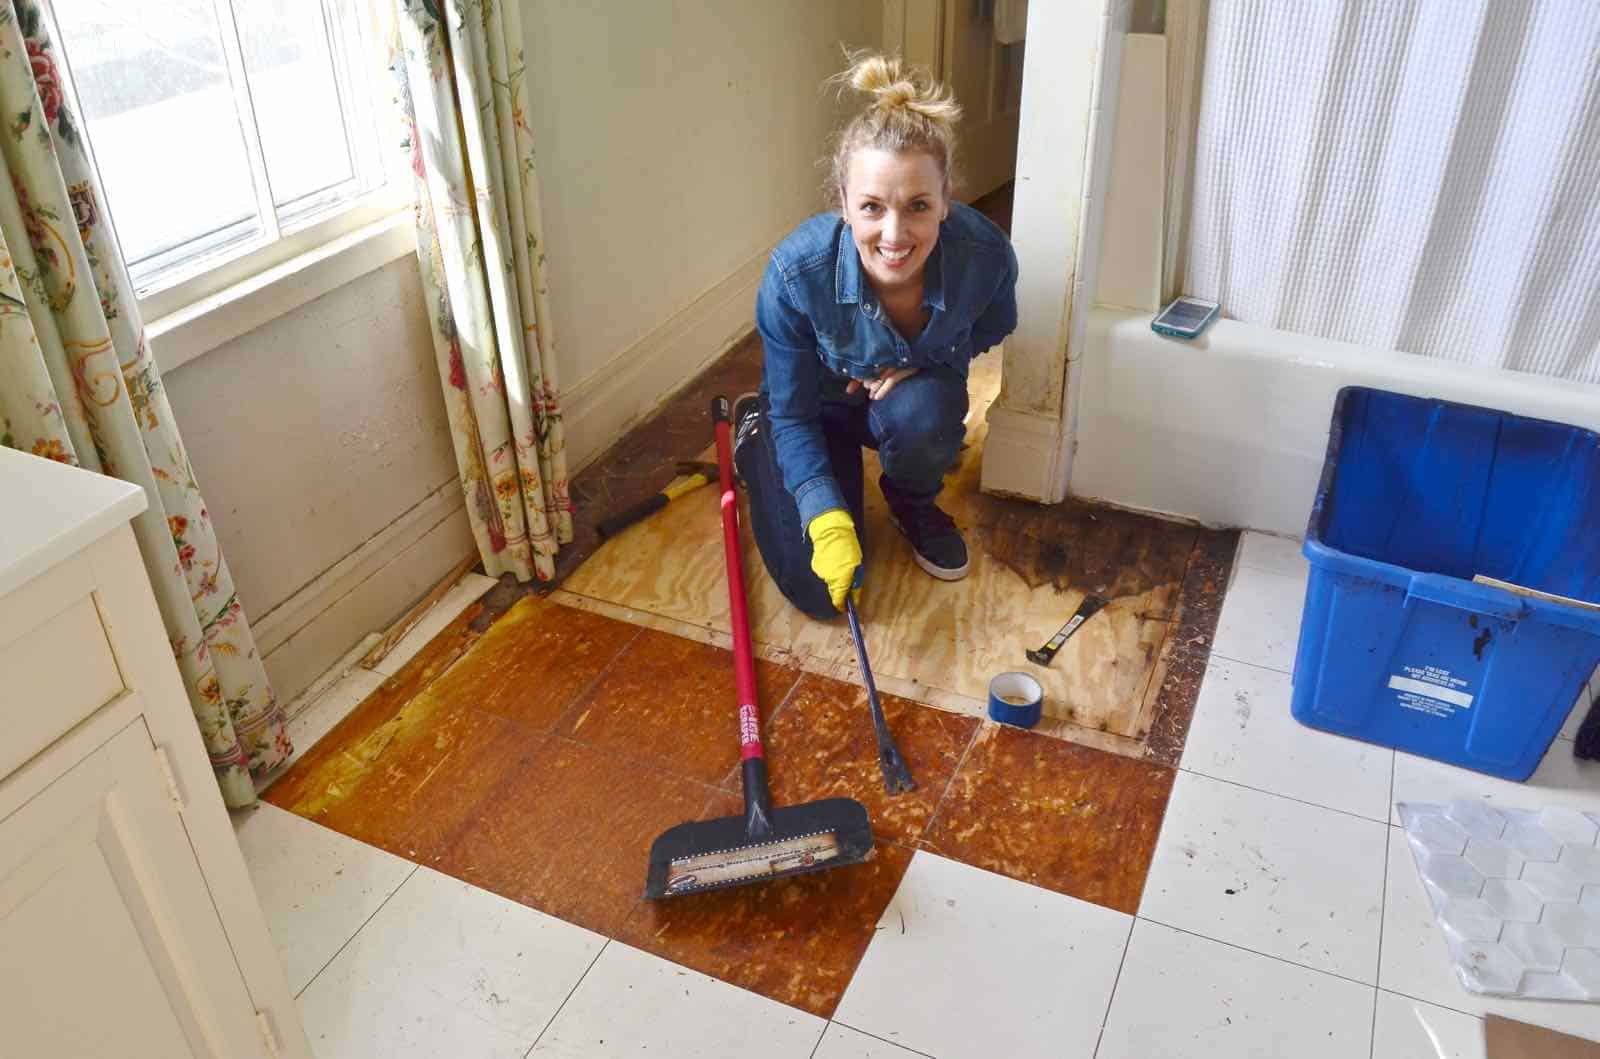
(153,83)
(296,96)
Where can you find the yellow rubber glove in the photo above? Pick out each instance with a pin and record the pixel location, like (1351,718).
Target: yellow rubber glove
(835,553)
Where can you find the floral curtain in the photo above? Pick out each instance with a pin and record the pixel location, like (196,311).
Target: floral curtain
(461,91)
(78,384)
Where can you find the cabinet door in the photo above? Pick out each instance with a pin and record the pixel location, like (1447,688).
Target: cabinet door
(109,944)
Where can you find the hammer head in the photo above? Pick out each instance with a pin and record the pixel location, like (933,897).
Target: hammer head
(708,469)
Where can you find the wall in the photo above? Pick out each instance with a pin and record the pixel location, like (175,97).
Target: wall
(321,444)
(676,144)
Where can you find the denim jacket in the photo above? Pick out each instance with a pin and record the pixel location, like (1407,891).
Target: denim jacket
(821,325)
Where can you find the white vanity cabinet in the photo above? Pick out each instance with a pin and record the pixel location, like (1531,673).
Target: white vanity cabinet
(128,924)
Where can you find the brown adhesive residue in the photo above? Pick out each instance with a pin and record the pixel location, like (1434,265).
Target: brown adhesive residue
(536,662)
(377,710)
(404,775)
(416,780)
(1069,818)
(1072,545)
(568,832)
(1175,688)
(822,745)
(671,703)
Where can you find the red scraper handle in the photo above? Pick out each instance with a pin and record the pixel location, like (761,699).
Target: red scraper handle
(744,663)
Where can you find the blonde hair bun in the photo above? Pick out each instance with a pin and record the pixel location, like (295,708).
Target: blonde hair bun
(894,86)
(910,111)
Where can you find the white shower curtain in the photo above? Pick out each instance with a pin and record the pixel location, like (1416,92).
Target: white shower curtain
(1418,175)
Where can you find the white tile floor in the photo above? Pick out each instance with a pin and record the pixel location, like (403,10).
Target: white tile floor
(1326,947)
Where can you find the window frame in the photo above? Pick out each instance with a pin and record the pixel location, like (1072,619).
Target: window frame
(300,229)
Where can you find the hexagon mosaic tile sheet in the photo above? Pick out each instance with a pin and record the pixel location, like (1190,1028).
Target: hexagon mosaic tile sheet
(1517,894)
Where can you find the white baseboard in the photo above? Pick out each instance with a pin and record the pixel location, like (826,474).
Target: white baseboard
(637,381)
(1022,455)
(365,591)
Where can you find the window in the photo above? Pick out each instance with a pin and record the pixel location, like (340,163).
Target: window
(229,135)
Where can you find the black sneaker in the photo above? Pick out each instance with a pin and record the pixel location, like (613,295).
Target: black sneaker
(746,424)
(936,543)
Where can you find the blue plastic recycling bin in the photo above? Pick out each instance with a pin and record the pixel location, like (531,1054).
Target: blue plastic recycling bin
(1398,645)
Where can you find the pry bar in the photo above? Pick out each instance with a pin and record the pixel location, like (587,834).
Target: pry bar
(1086,610)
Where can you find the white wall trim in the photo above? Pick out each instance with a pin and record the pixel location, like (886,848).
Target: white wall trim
(1022,452)
(1130,250)
(303,608)
(213,321)
(1186,41)
(1069,94)
(637,381)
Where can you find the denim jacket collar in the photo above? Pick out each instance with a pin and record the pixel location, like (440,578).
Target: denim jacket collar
(848,279)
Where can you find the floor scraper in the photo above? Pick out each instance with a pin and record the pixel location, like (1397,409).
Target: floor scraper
(765,842)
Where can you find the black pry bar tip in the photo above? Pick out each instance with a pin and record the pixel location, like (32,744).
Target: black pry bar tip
(1090,606)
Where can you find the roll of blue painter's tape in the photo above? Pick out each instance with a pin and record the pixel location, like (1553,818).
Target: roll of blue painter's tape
(1016,698)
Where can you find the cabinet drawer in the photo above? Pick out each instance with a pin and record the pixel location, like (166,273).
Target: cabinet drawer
(51,677)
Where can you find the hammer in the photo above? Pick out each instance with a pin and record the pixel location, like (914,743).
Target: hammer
(691,476)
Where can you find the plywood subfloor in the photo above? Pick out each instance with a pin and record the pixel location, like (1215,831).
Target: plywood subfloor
(936,641)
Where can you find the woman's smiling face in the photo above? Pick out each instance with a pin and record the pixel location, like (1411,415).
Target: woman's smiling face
(893,204)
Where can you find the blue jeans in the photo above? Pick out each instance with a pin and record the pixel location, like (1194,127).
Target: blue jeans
(917,431)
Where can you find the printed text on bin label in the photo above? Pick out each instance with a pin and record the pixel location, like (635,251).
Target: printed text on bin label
(1429,689)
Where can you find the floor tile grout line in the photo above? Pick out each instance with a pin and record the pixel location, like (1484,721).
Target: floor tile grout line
(788,696)
(1254,665)
(1383,916)
(1286,797)
(1259,568)
(944,795)
(1105,1017)
(357,932)
(588,689)
(1258,952)
(1434,1003)
(1388,809)
(1239,564)
(876,1037)
(562,1006)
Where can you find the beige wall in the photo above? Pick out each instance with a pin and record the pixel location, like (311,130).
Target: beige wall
(676,141)
(312,435)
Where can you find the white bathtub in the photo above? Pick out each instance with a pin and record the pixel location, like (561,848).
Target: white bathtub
(1232,428)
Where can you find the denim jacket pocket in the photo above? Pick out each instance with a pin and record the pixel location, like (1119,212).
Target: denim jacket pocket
(845,354)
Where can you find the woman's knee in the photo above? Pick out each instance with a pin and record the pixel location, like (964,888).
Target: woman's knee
(810,597)
(920,425)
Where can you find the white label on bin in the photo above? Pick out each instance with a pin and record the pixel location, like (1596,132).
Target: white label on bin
(1432,691)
